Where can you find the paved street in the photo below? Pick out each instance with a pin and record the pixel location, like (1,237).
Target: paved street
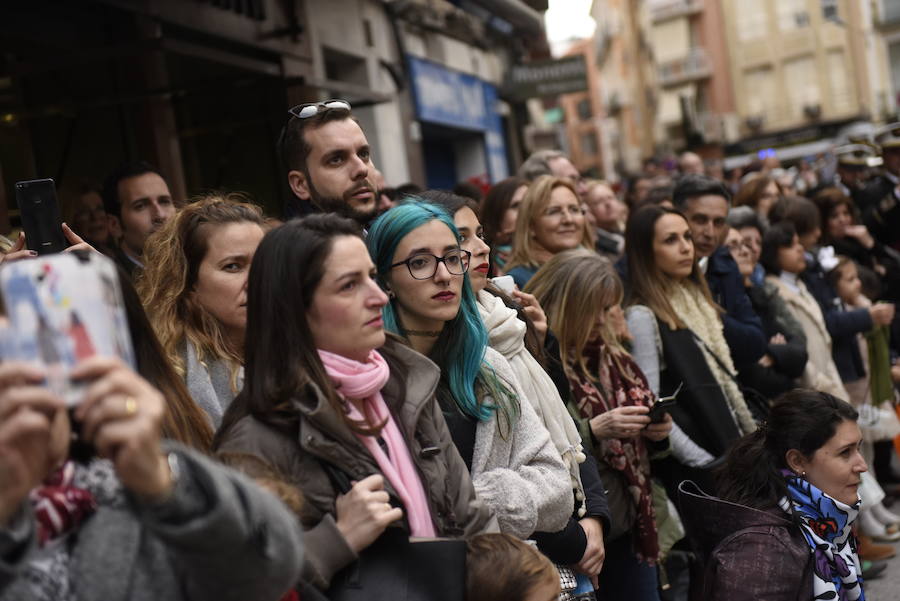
(887,588)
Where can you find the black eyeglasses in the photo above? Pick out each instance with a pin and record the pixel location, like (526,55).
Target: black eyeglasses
(311,109)
(423,266)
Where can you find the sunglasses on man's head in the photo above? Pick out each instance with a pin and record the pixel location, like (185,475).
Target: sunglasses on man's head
(310,109)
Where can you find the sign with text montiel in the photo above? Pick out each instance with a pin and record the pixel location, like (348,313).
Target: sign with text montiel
(547,78)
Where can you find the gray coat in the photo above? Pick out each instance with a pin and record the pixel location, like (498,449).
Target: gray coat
(218,537)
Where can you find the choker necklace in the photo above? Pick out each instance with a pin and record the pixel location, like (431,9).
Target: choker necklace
(425,333)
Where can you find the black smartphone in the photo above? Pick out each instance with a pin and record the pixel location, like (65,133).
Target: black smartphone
(40,216)
(662,405)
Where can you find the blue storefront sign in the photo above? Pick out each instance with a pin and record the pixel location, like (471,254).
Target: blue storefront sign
(455,99)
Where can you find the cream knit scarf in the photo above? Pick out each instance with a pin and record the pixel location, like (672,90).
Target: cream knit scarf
(507,336)
(697,314)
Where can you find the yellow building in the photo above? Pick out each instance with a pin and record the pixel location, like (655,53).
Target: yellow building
(802,69)
(887,22)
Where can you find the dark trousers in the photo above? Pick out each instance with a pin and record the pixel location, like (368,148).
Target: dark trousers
(624,577)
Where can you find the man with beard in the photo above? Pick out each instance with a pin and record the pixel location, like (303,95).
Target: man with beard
(328,162)
(137,202)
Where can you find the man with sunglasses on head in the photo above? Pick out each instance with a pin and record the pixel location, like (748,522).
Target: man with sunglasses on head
(328,161)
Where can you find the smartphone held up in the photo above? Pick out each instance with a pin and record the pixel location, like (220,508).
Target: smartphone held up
(40,216)
(62,309)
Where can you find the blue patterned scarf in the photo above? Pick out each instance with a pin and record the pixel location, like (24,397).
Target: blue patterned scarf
(837,572)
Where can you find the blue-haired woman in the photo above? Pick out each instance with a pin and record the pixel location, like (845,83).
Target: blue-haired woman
(516,469)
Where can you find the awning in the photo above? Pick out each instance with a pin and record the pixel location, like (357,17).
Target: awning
(787,153)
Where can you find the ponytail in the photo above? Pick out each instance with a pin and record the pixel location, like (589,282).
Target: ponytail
(750,475)
(803,420)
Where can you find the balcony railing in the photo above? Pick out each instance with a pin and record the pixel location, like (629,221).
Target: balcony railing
(694,65)
(663,10)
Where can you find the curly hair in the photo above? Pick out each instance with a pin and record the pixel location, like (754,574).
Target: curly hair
(172,258)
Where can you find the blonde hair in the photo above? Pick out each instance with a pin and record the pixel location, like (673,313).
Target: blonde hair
(573,288)
(500,566)
(533,206)
(172,258)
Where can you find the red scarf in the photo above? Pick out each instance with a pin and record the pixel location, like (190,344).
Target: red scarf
(623,384)
(60,507)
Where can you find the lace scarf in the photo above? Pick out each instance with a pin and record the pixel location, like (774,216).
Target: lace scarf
(697,314)
(507,336)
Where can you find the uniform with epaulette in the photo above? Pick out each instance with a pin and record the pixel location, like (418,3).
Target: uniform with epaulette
(881,204)
(853,163)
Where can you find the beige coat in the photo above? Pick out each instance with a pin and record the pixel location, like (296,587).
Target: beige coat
(821,373)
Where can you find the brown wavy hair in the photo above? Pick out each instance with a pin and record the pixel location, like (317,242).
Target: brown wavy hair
(172,258)
(183,420)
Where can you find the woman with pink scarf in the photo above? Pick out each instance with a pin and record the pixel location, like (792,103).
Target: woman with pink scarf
(337,409)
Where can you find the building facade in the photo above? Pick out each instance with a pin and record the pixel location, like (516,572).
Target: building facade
(609,128)
(802,71)
(202,88)
(697,106)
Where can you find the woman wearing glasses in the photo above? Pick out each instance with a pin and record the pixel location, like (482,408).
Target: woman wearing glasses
(778,370)
(516,470)
(337,410)
(550,220)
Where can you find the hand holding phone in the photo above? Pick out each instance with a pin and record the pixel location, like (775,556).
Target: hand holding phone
(40,216)
(662,405)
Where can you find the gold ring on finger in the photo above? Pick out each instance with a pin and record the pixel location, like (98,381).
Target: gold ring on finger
(131,406)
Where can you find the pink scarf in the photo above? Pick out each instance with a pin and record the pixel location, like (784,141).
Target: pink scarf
(364,381)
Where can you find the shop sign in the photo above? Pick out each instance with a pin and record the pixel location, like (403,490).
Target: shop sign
(547,78)
(449,97)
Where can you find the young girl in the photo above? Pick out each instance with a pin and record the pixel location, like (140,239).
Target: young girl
(875,520)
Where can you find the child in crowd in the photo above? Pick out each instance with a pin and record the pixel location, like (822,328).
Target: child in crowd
(875,520)
(500,566)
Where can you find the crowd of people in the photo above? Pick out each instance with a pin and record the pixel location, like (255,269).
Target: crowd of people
(558,389)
